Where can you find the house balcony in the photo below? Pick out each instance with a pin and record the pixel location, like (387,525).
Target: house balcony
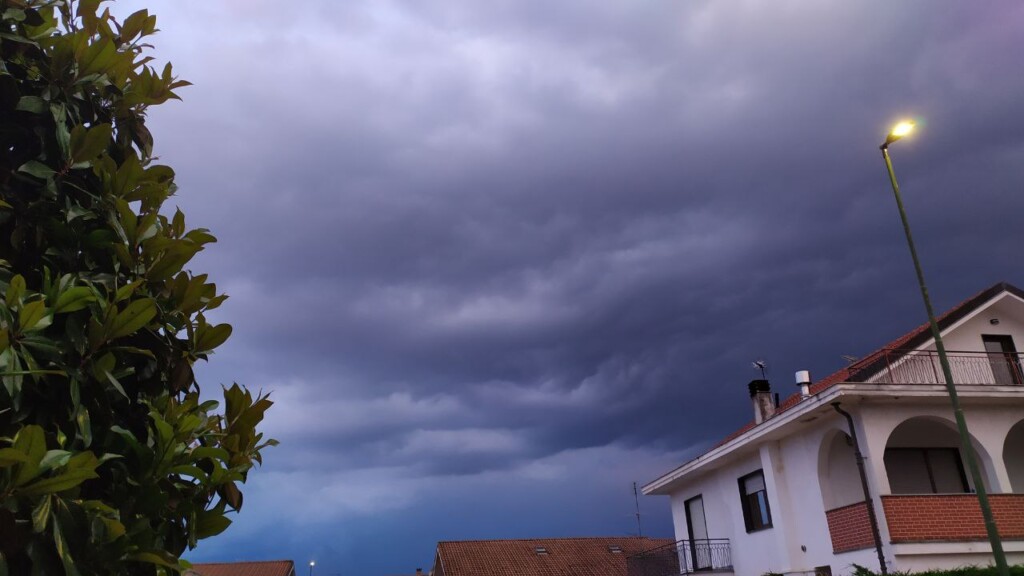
(682,557)
(895,366)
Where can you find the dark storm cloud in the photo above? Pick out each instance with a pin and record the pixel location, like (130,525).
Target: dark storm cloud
(526,245)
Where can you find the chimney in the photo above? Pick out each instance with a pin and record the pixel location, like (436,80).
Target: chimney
(803,380)
(761,395)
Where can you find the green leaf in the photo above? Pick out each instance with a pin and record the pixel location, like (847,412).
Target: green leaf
(115,529)
(212,337)
(54,459)
(193,471)
(32,316)
(62,550)
(211,523)
(159,557)
(74,299)
(117,385)
(80,468)
(10,457)
(210,452)
(127,290)
(30,441)
(88,143)
(84,426)
(134,316)
(15,290)
(103,365)
(33,104)
(37,169)
(41,514)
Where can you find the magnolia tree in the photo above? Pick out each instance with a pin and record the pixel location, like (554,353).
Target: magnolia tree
(110,462)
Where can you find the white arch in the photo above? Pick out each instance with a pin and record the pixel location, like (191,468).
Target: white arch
(935,432)
(837,471)
(1013,457)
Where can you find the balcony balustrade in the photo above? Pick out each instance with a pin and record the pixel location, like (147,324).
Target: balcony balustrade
(894,366)
(682,557)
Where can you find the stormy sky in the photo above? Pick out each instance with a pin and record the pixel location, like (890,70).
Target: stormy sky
(498,260)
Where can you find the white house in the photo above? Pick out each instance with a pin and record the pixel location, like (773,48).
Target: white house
(784,494)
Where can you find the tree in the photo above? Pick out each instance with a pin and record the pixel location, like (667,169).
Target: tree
(110,462)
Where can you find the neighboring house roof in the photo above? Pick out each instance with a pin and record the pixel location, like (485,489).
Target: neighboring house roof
(872,363)
(561,556)
(266,568)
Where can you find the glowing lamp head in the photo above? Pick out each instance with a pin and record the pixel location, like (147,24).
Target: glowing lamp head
(899,131)
(312,563)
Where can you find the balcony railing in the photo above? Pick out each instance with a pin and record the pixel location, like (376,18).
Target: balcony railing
(683,557)
(893,366)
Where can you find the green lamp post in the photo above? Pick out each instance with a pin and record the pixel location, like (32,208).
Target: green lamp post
(899,131)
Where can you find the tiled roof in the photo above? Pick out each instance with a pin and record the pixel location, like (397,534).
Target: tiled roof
(564,556)
(268,568)
(868,364)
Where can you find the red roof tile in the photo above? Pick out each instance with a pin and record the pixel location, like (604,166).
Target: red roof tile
(268,568)
(576,556)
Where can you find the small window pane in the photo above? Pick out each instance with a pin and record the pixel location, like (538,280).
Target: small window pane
(908,471)
(754,484)
(946,471)
(762,507)
(754,499)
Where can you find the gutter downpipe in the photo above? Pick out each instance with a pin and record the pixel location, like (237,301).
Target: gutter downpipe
(867,492)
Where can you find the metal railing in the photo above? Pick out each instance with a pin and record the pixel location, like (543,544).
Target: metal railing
(682,557)
(894,366)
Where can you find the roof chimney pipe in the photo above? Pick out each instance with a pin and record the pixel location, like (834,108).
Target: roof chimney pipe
(803,380)
(761,395)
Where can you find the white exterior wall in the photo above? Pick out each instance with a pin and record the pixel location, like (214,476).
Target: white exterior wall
(753,553)
(966,335)
(799,538)
(808,527)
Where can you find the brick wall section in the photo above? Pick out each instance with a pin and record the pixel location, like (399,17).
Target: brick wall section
(850,528)
(951,517)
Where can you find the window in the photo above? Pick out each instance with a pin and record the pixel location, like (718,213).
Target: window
(757,515)
(925,471)
(1002,356)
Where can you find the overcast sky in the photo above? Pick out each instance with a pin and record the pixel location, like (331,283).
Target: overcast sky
(497,260)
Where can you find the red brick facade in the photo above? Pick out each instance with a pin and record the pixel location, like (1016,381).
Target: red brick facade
(850,528)
(950,517)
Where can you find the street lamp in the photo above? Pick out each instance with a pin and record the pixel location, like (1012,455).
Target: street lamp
(311,564)
(900,130)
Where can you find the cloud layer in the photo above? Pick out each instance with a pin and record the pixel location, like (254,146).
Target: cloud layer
(499,260)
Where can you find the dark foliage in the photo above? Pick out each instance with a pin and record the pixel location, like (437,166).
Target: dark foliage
(110,463)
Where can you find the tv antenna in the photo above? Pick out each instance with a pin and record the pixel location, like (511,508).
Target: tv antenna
(636,500)
(762,366)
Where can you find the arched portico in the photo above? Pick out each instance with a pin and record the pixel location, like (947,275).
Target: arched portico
(837,471)
(1013,457)
(923,456)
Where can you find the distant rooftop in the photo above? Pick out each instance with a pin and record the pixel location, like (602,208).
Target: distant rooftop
(265,568)
(599,556)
